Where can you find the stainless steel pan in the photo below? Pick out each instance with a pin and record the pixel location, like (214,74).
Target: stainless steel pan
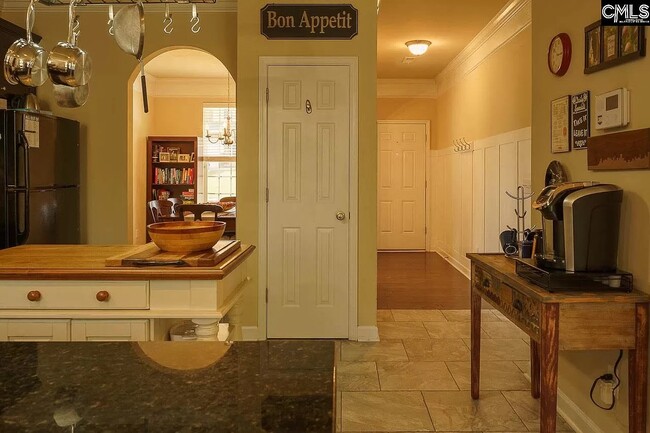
(25,60)
(68,64)
(128,29)
(68,96)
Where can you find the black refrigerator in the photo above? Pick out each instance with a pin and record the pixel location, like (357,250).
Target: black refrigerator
(39,179)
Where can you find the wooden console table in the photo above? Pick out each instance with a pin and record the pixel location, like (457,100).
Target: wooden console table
(562,321)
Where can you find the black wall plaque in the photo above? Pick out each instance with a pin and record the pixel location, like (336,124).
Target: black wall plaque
(580,120)
(304,21)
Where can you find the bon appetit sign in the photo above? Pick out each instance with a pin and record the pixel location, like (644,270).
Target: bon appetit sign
(303,21)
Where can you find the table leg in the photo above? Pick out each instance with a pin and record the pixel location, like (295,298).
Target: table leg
(638,372)
(476,343)
(534,368)
(549,348)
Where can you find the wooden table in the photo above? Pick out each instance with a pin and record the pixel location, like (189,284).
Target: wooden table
(562,321)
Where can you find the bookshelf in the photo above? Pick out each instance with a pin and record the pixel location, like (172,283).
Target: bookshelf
(171,169)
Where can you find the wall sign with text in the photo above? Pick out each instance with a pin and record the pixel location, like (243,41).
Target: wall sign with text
(303,21)
(580,120)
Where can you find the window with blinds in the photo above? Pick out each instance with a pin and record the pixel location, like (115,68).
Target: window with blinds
(218,160)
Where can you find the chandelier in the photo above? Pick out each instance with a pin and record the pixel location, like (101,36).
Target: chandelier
(226,134)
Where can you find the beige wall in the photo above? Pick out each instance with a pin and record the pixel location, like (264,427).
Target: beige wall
(492,99)
(105,138)
(409,109)
(179,116)
(251,46)
(578,370)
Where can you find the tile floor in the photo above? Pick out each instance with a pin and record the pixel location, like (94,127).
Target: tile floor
(417,378)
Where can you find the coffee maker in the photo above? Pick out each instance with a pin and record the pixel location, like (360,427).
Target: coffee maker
(580,224)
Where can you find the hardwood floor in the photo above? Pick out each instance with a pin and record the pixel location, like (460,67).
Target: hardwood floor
(419,281)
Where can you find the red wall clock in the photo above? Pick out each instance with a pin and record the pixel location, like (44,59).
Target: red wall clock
(559,54)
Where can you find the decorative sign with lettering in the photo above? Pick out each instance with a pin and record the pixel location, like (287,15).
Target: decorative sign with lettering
(302,21)
(580,120)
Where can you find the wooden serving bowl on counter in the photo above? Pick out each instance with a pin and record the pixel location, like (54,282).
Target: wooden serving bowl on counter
(186,236)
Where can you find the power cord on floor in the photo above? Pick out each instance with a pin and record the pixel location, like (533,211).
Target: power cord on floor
(608,378)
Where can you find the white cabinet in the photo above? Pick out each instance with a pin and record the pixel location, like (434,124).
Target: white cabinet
(110,330)
(34,330)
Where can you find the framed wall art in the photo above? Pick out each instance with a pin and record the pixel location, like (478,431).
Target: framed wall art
(607,46)
(560,125)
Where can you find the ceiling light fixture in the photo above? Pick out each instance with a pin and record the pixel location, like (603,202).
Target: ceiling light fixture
(417,48)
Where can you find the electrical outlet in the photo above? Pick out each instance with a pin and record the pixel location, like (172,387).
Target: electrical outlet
(606,387)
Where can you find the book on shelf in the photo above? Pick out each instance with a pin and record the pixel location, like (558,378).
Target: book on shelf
(173,176)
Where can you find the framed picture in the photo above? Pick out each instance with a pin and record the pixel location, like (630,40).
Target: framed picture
(632,41)
(173,153)
(592,46)
(610,46)
(184,157)
(192,157)
(163,157)
(560,125)
(610,43)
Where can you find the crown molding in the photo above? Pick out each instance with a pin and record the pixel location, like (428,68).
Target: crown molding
(511,20)
(406,88)
(203,8)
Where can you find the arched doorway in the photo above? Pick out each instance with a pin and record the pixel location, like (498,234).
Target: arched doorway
(191,94)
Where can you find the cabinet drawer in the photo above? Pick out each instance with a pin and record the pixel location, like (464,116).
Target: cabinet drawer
(486,284)
(75,295)
(34,330)
(110,330)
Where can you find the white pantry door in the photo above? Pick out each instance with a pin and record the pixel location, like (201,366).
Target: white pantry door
(308,201)
(401,186)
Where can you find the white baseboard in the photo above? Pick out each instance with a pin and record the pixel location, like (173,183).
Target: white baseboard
(367,333)
(455,263)
(249,333)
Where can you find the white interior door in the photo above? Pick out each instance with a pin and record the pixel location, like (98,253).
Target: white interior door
(308,201)
(401,186)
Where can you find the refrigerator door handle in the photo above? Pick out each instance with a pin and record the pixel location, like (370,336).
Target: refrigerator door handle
(23,143)
(22,235)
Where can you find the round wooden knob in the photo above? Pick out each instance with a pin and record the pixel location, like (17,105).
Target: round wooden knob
(103,296)
(34,296)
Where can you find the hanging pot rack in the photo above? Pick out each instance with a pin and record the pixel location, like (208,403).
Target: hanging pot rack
(124,2)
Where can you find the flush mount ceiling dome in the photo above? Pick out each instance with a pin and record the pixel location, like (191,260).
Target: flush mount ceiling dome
(418,47)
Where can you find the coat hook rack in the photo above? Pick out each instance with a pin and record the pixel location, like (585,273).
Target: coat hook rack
(462,145)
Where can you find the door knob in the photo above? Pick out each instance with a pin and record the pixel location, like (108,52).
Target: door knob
(340,216)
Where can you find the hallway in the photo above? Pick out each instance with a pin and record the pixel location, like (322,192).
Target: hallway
(419,281)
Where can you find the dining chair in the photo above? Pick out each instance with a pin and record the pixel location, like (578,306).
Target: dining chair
(198,209)
(228,199)
(161,210)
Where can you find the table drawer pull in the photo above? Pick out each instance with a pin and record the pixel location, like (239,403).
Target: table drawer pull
(103,296)
(518,305)
(34,296)
(486,282)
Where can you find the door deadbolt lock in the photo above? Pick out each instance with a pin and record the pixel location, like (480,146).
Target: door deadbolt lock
(340,216)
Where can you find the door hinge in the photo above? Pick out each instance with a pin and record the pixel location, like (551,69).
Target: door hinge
(267,195)
(267,295)
(426,230)
(267,95)
(426,184)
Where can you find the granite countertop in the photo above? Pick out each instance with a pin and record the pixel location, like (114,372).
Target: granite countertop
(160,387)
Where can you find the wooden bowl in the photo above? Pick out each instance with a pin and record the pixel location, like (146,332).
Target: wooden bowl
(186,236)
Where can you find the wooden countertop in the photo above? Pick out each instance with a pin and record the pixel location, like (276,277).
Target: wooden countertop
(86,262)
(504,267)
